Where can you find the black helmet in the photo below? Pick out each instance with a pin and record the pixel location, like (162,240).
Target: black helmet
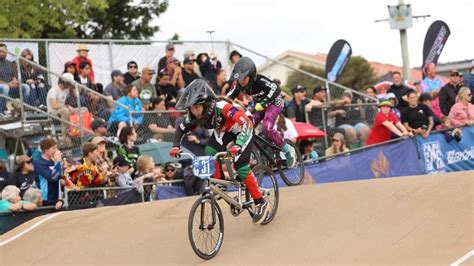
(198,92)
(244,67)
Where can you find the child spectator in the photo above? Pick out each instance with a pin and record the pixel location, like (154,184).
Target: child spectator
(452,133)
(120,116)
(127,149)
(30,75)
(125,171)
(385,124)
(70,67)
(48,170)
(82,53)
(11,201)
(84,173)
(24,176)
(307,151)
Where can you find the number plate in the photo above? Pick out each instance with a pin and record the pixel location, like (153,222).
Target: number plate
(203,166)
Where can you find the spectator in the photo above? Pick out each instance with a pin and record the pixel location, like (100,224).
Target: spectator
(120,116)
(220,82)
(70,67)
(56,103)
(85,69)
(386,123)
(188,71)
(160,122)
(449,135)
(72,102)
(127,149)
(417,85)
(176,73)
(371,109)
(426,99)
(462,112)
(33,77)
(84,173)
(307,151)
(132,73)
(48,171)
(165,89)
(417,118)
(146,90)
(234,57)
(393,99)
(469,80)
(295,110)
(24,176)
(114,89)
(169,53)
(171,172)
(399,89)
(11,201)
(447,94)
(147,172)
(103,161)
(338,145)
(319,98)
(461,80)
(34,196)
(125,171)
(190,54)
(5,176)
(208,65)
(82,53)
(99,127)
(349,119)
(196,140)
(98,105)
(9,81)
(432,84)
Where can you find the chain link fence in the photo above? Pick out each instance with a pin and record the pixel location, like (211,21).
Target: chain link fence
(158,126)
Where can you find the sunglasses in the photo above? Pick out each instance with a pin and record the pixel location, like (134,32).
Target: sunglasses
(28,161)
(335,140)
(169,170)
(132,66)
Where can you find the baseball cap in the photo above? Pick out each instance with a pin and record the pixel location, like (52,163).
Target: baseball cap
(148,69)
(20,160)
(170,46)
(298,88)
(97,140)
(318,89)
(171,164)
(173,60)
(116,72)
(120,161)
(98,123)
(67,77)
(189,53)
(188,60)
(454,72)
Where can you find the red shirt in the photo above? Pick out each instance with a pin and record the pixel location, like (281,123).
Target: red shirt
(77,60)
(379,132)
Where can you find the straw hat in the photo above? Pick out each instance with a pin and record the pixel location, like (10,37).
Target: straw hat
(82,47)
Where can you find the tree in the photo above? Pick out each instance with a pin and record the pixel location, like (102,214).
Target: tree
(123,20)
(97,19)
(357,75)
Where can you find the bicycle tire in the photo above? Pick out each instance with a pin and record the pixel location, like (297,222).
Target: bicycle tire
(264,175)
(297,171)
(207,200)
(255,157)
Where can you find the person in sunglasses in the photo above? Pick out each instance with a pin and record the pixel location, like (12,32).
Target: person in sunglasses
(132,73)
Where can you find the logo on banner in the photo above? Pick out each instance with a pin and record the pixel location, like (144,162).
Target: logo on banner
(380,166)
(433,157)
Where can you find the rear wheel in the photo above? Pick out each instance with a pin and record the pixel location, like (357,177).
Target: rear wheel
(293,175)
(269,187)
(206,227)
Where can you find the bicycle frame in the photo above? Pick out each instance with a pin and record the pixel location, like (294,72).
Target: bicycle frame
(259,142)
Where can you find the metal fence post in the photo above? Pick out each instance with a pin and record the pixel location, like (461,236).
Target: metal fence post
(20,89)
(79,106)
(329,91)
(111,57)
(324,127)
(46,48)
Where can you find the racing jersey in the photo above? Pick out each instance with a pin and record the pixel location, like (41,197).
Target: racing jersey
(263,91)
(227,117)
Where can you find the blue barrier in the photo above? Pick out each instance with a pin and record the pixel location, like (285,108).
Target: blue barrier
(440,155)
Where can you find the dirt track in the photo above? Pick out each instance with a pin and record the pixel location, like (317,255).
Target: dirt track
(424,219)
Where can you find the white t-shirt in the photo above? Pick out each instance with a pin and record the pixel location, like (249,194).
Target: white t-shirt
(58,94)
(290,132)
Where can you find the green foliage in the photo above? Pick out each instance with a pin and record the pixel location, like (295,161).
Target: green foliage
(92,19)
(357,75)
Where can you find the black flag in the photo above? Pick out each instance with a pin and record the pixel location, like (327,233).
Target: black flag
(435,39)
(338,56)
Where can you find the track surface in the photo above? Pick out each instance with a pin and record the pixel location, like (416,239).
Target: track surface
(415,220)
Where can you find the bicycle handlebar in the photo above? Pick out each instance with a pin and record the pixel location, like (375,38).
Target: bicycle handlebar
(216,156)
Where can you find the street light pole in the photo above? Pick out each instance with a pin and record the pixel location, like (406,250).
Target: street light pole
(212,43)
(404,45)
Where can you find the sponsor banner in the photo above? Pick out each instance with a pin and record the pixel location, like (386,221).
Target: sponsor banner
(397,159)
(435,40)
(438,155)
(337,58)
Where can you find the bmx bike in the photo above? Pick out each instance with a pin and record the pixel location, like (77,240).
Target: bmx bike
(206,220)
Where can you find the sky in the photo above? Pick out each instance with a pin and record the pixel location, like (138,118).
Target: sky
(271,27)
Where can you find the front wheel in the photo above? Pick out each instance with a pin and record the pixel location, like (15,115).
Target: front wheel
(268,185)
(206,227)
(292,175)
